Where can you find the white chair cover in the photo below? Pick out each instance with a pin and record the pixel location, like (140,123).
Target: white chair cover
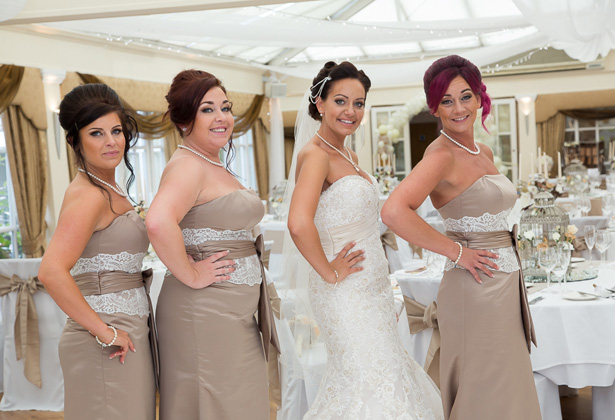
(19,394)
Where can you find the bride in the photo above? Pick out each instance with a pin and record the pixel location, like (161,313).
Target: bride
(333,221)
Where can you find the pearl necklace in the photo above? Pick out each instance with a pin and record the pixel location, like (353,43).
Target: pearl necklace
(472,152)
(117,188)
(181,146)
(354,165)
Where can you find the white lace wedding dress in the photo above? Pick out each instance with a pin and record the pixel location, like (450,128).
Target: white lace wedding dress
(369,375)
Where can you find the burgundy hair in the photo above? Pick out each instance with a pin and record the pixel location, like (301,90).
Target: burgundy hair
(185,95)
(439,75)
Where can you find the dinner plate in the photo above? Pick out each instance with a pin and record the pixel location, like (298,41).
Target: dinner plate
(576,260)
(578,296)
(414,265)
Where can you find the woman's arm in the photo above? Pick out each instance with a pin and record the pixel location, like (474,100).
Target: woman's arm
(179,190)
(399,212)
(82,210)
(312,170)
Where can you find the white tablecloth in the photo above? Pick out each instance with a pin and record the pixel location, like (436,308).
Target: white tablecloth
(19,393)
(576,340)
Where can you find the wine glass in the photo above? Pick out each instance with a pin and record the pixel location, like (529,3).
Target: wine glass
(603,241)
(563,261)
(547,258)
(589,232)
(608,208)
(585,205)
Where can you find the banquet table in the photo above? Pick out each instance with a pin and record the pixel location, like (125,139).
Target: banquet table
(576,340)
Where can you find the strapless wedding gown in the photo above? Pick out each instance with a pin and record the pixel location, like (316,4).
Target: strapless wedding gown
(369,375)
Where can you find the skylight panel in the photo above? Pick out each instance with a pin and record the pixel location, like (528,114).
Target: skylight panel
(377,11)
(333,53)
(451,43)
(502,37)
(436,10)
(395,49)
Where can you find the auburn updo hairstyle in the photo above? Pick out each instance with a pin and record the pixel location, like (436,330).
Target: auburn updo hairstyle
(335,72)
(184,98)
(440,74)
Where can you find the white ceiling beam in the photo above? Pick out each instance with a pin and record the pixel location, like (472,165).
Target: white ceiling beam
(42,11)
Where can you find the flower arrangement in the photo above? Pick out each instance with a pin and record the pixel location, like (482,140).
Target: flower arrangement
(141,209)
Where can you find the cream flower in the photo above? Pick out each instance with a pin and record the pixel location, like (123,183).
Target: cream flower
(572,229)
(529,234)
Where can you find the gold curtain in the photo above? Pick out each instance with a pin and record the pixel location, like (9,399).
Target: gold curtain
(26,149)
(10,79)
(551,137)
(244,122)
(171,141)
(261,159)
(151,126)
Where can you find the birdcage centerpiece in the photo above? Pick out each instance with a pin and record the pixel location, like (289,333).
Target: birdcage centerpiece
(542,224)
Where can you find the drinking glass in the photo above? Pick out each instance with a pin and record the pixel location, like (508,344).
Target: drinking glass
(603,241)
(585,205)
(589,232)
(547,258)
(563,261)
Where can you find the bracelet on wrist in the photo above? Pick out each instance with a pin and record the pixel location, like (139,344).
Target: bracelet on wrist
(103,345)
(337,277)
(460,253)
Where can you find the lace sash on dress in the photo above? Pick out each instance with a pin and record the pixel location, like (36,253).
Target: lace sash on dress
(247,269)
(131,301)
(488,222)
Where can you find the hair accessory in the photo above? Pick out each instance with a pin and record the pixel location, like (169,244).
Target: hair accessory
(322,85)
(103,345)
(460,252)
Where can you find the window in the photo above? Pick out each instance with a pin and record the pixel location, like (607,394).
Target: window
(148,161)
(502,140)
(589,139)
(10,236)
(243,164)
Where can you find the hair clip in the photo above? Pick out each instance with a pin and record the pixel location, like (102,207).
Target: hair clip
(322,85)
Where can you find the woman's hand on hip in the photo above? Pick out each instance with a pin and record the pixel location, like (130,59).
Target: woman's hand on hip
(478,259)
(211,270)
(346,262)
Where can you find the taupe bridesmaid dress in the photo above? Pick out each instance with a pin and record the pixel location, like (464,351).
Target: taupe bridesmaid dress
(486,329)
(211,353)
(109,275)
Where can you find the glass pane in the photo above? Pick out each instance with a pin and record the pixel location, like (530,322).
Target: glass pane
(606,135)
(607,123)
(504,118)
(6,241)
(570,123)
(504,149)
(586,123)
(400,164)
(5,216)
(587,136)
(569,137)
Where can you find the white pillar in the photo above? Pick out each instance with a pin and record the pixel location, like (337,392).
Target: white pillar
(57,159)
(528,143)
(276,143)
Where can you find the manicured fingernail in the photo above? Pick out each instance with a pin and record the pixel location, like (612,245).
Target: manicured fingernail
(122,362)
(134,350)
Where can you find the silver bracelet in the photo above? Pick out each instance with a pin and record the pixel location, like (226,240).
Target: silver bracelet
(337,278)
(460,253)
(103,345)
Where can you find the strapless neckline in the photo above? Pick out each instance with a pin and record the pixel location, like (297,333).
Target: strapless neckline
(127,213)
(345,177)
(468,189)
(238,190)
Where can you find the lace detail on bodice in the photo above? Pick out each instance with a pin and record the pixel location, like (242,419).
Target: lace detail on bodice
(369,375)
(488,222)
(485,223)
(348,199)
(198,236)
(130,302)
(247,269)
(124,261)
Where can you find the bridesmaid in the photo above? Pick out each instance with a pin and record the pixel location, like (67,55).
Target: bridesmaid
(200,223)
(483,315)
(92,268)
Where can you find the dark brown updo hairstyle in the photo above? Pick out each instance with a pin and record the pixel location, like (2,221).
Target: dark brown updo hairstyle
(85,104)
(441,73)
(335,72)
(184,98)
